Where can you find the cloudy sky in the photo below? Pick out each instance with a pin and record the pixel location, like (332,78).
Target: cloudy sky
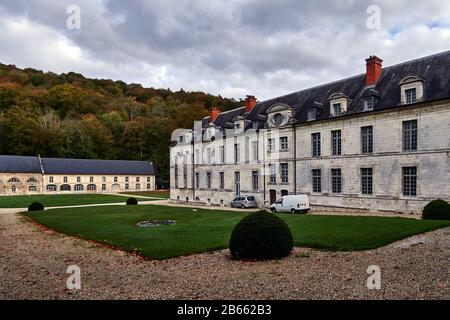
(228,47)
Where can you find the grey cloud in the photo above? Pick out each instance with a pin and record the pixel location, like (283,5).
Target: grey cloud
(233,47)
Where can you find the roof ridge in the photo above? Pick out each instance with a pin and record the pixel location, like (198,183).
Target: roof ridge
(354,76)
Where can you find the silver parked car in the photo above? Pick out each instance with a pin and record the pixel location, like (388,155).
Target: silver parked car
(244,202)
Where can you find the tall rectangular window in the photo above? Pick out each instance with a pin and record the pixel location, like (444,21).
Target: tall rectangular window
(222,154)
(237,155)
(272,173)
(222,180)
(91,179)
(104,179)
(185,175)
(284,172)
(197,180)
(284,144)
(317,180)
(79,179)
(410,95)
(197,157)
(366,181)
(208,180)
(409,181)
(410,135)
(51,179)
(255,150)
(315,144)
(175,173)
(255,180)
(336,146)
(367,139)
(336,181)
(270,145)
(208,155)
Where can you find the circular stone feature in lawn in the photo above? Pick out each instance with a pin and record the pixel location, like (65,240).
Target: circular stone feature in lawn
(154,223)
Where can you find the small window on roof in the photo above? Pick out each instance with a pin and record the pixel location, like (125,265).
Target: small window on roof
(368,103)
(311,114)
(410,95)
(337,110)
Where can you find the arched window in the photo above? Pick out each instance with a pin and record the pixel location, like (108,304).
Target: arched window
(149,186)
(115,187)
(14,180)
(65,187)
(79,187)
(32,180)
(51,187)
(92,187)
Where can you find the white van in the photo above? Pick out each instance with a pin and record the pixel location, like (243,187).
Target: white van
(291,203)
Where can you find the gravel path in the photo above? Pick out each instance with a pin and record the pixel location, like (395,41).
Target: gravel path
(33,263)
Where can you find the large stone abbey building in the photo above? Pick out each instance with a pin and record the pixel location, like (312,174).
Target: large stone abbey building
(35,175)
(379,141)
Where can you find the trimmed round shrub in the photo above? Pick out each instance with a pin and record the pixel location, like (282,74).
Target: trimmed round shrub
(436,210)
(261,235)
(36,206)
(131,201)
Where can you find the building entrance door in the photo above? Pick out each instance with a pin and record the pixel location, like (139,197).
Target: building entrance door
(273,195)
(237,183)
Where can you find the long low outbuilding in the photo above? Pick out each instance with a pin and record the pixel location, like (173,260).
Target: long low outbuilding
(35,175)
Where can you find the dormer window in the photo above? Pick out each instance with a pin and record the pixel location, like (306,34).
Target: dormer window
(238,125)
(368,103)
(410,95)
(412,90)
(311,116)
(338,104)
(337,109)
(278,119)
(180,139)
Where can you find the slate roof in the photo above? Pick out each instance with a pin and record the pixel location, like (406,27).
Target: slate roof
(19,164)
(434,70)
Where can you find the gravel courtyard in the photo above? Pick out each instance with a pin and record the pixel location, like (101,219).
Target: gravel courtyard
(33,263)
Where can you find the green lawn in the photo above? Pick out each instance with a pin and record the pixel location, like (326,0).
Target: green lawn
(157,194)
(58,200)
(206,230)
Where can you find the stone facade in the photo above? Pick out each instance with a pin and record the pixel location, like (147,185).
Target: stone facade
(72,183)
(36,175)
(432,160)
(378,141)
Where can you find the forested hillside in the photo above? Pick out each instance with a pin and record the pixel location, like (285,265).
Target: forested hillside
(68,115)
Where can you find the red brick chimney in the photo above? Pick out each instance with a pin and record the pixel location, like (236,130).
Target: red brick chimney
(250,103)
(214,114)
(373,70)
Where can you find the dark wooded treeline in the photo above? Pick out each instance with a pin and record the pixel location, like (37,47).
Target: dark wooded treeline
(68,115)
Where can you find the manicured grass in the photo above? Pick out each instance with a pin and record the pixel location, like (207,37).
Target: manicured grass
(205,230)
(58,200)
(157,194)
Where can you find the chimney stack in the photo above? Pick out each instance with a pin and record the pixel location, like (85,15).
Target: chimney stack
(373,70)
(250,103)
(214,114)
